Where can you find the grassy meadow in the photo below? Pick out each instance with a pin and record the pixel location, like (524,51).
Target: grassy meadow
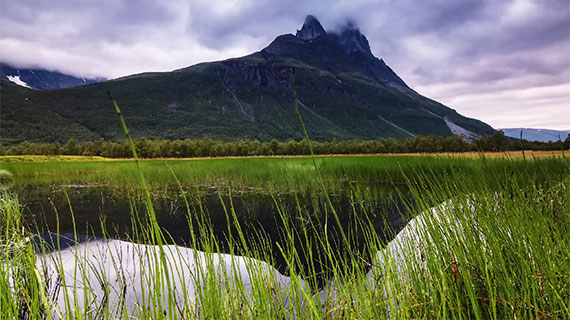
(497,246)
(267,173)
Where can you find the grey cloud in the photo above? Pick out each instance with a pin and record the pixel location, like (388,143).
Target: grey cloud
(482,45)
(453,13)
(113,21)
(260,19)
(477,46)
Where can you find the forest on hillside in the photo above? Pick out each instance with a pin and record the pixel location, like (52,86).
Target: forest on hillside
(216,148)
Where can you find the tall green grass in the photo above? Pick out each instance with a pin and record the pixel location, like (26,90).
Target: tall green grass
(267,175)
(498,249)
(488,239)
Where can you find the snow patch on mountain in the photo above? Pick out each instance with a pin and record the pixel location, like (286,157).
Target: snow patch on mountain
(18,81)
(42,79)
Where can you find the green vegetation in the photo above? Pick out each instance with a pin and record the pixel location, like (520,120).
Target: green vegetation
(217,148)
(246,98)
(498,249)
(487,239)
(267,174)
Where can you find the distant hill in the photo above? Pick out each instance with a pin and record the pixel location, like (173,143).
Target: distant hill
(41,79)
(344,92)
(544,135)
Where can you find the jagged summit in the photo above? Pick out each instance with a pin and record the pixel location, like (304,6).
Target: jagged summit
(345,50)
(312,29)
(349,36)
(342,89)
(353,41)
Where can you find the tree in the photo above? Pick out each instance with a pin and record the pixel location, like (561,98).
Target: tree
(242,148)
(163,149)
(72,148)
(24,148)
(50,149)
(288,147)
(499,141)
(274,146)
(89,149)
(454,143)
(189,148)
(145,148)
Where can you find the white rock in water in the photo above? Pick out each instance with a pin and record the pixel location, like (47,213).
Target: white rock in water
(404,251)
(116,274)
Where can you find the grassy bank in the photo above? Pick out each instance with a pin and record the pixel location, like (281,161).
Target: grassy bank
(498,249)
(275,173)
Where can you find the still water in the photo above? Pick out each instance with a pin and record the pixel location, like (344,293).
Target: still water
(101,211)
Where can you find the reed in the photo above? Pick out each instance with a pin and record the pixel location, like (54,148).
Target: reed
(486,239)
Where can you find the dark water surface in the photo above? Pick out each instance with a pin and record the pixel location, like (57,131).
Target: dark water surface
(100,211)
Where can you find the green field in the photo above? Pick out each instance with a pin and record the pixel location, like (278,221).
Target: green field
(274,173)
(498,249)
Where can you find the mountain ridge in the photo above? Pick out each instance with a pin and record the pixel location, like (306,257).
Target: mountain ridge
(536,134)
(42,79)
(344,92)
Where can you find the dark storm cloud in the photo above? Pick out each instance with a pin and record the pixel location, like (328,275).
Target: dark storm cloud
(468,33)
(464,53)
(452,13)
(216,26)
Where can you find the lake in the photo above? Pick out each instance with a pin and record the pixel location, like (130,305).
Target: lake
(103,211)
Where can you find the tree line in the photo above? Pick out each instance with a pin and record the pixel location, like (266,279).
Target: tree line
(215,148)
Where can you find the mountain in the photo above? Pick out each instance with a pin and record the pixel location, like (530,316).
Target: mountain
(41,79)
(544,135)
(343,92)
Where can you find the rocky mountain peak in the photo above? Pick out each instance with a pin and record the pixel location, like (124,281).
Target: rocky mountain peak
(353,41)
(312,29)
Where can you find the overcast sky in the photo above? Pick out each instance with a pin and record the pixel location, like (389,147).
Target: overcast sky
(504,62)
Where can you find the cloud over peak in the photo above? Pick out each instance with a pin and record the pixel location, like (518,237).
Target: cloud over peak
(451,51)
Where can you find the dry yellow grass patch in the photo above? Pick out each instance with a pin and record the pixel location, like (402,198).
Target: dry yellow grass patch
(507,154)
(50,158)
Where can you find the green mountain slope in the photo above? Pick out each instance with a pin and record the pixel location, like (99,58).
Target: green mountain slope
(344,92)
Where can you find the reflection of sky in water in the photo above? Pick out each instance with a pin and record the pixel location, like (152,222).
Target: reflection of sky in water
(93,206)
